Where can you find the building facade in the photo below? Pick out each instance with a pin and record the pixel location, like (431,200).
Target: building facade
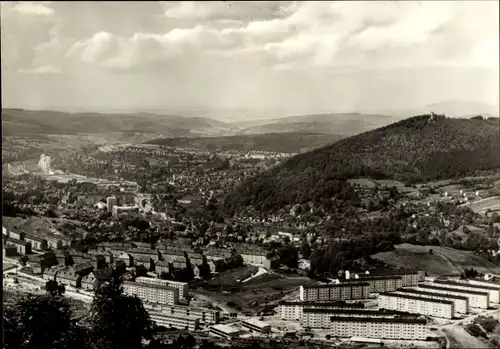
(178,321)
(405,329)
(417,305)
(461,303)
(152,293)
(294,310)
(183,287)
(494,292)
(335,292)
(476,299)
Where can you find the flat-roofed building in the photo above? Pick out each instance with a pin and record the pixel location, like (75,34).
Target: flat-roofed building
(294,310)
(320,318)
(331,292)
(178,321)
(476,299)
(206,315)
(183,287)
(382,283)
(405,329)
(224,331)
(408,277)
(417,305)
(152,293)
(493,291)
(256,325)
(461,302)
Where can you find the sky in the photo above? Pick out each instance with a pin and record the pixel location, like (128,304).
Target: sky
(347,56)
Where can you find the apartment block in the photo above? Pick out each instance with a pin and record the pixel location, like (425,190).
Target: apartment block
(405,329)
(294,310)
(493,291)
(388,283)
(321,318)
(342,291)
(152,293)
(183,287)
(461,302)
(178,321)
(206,315)
(256,325)
(417,305)
(476,299)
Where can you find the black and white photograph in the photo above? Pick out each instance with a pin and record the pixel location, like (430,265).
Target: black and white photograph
(250,174)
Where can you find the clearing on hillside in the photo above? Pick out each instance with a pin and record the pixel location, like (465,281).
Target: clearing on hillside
(443,260)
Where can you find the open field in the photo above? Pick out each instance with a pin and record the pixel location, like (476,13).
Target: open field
(253,296)
(442,261)
(480,206)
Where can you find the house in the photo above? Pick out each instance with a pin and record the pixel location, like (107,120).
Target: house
(108,256)
(272,263)
(136,252)
(54,242)
(163,267)
(35,262)
(22,247)
(83,268)
(16,234)
(9,251)
(146,261)
(90,281)
(127,259)
(68,276)
(37,243)
(50,274)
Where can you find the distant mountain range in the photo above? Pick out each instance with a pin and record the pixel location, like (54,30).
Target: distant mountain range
(19,121)
(290,142)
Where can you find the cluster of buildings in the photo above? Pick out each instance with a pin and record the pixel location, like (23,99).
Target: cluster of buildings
(330,306)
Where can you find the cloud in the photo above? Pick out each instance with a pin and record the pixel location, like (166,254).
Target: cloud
(41,70)
(327,34)
(34,8)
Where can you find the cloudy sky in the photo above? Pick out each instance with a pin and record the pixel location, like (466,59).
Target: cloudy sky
(309,55)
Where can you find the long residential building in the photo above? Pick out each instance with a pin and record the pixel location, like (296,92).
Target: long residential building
(406,329)
(152,293)
(178,321)
(335,292)
(209,316)
(408,277)
(321,318)
(476,299)
(183,287)
(493,291)
(294,310)
(461,302)
(417,305)
(387,283)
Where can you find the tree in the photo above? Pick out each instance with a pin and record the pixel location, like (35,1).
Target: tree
(54,289)
(289,256)
(305,250)
(41,322)
(118,320)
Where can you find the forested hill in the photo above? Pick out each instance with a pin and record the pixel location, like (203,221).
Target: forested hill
(416,149)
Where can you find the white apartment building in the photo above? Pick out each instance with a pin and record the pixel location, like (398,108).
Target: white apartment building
(461,303)
(178,321)
(408,277)
(224,331)
(152,293)
(493,291)
(476,299)
(210,316)
(417,305)
(379,284)
(294,310)
(183,287)
(406,329)
(342,291)
(321,318)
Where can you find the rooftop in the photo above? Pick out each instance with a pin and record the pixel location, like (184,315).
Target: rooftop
(343,284)
(172,316)
(225,328)
(426,293)
(378,320)
(456,290)
(255,322)
(324,304)
(432,300)
(456,283)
